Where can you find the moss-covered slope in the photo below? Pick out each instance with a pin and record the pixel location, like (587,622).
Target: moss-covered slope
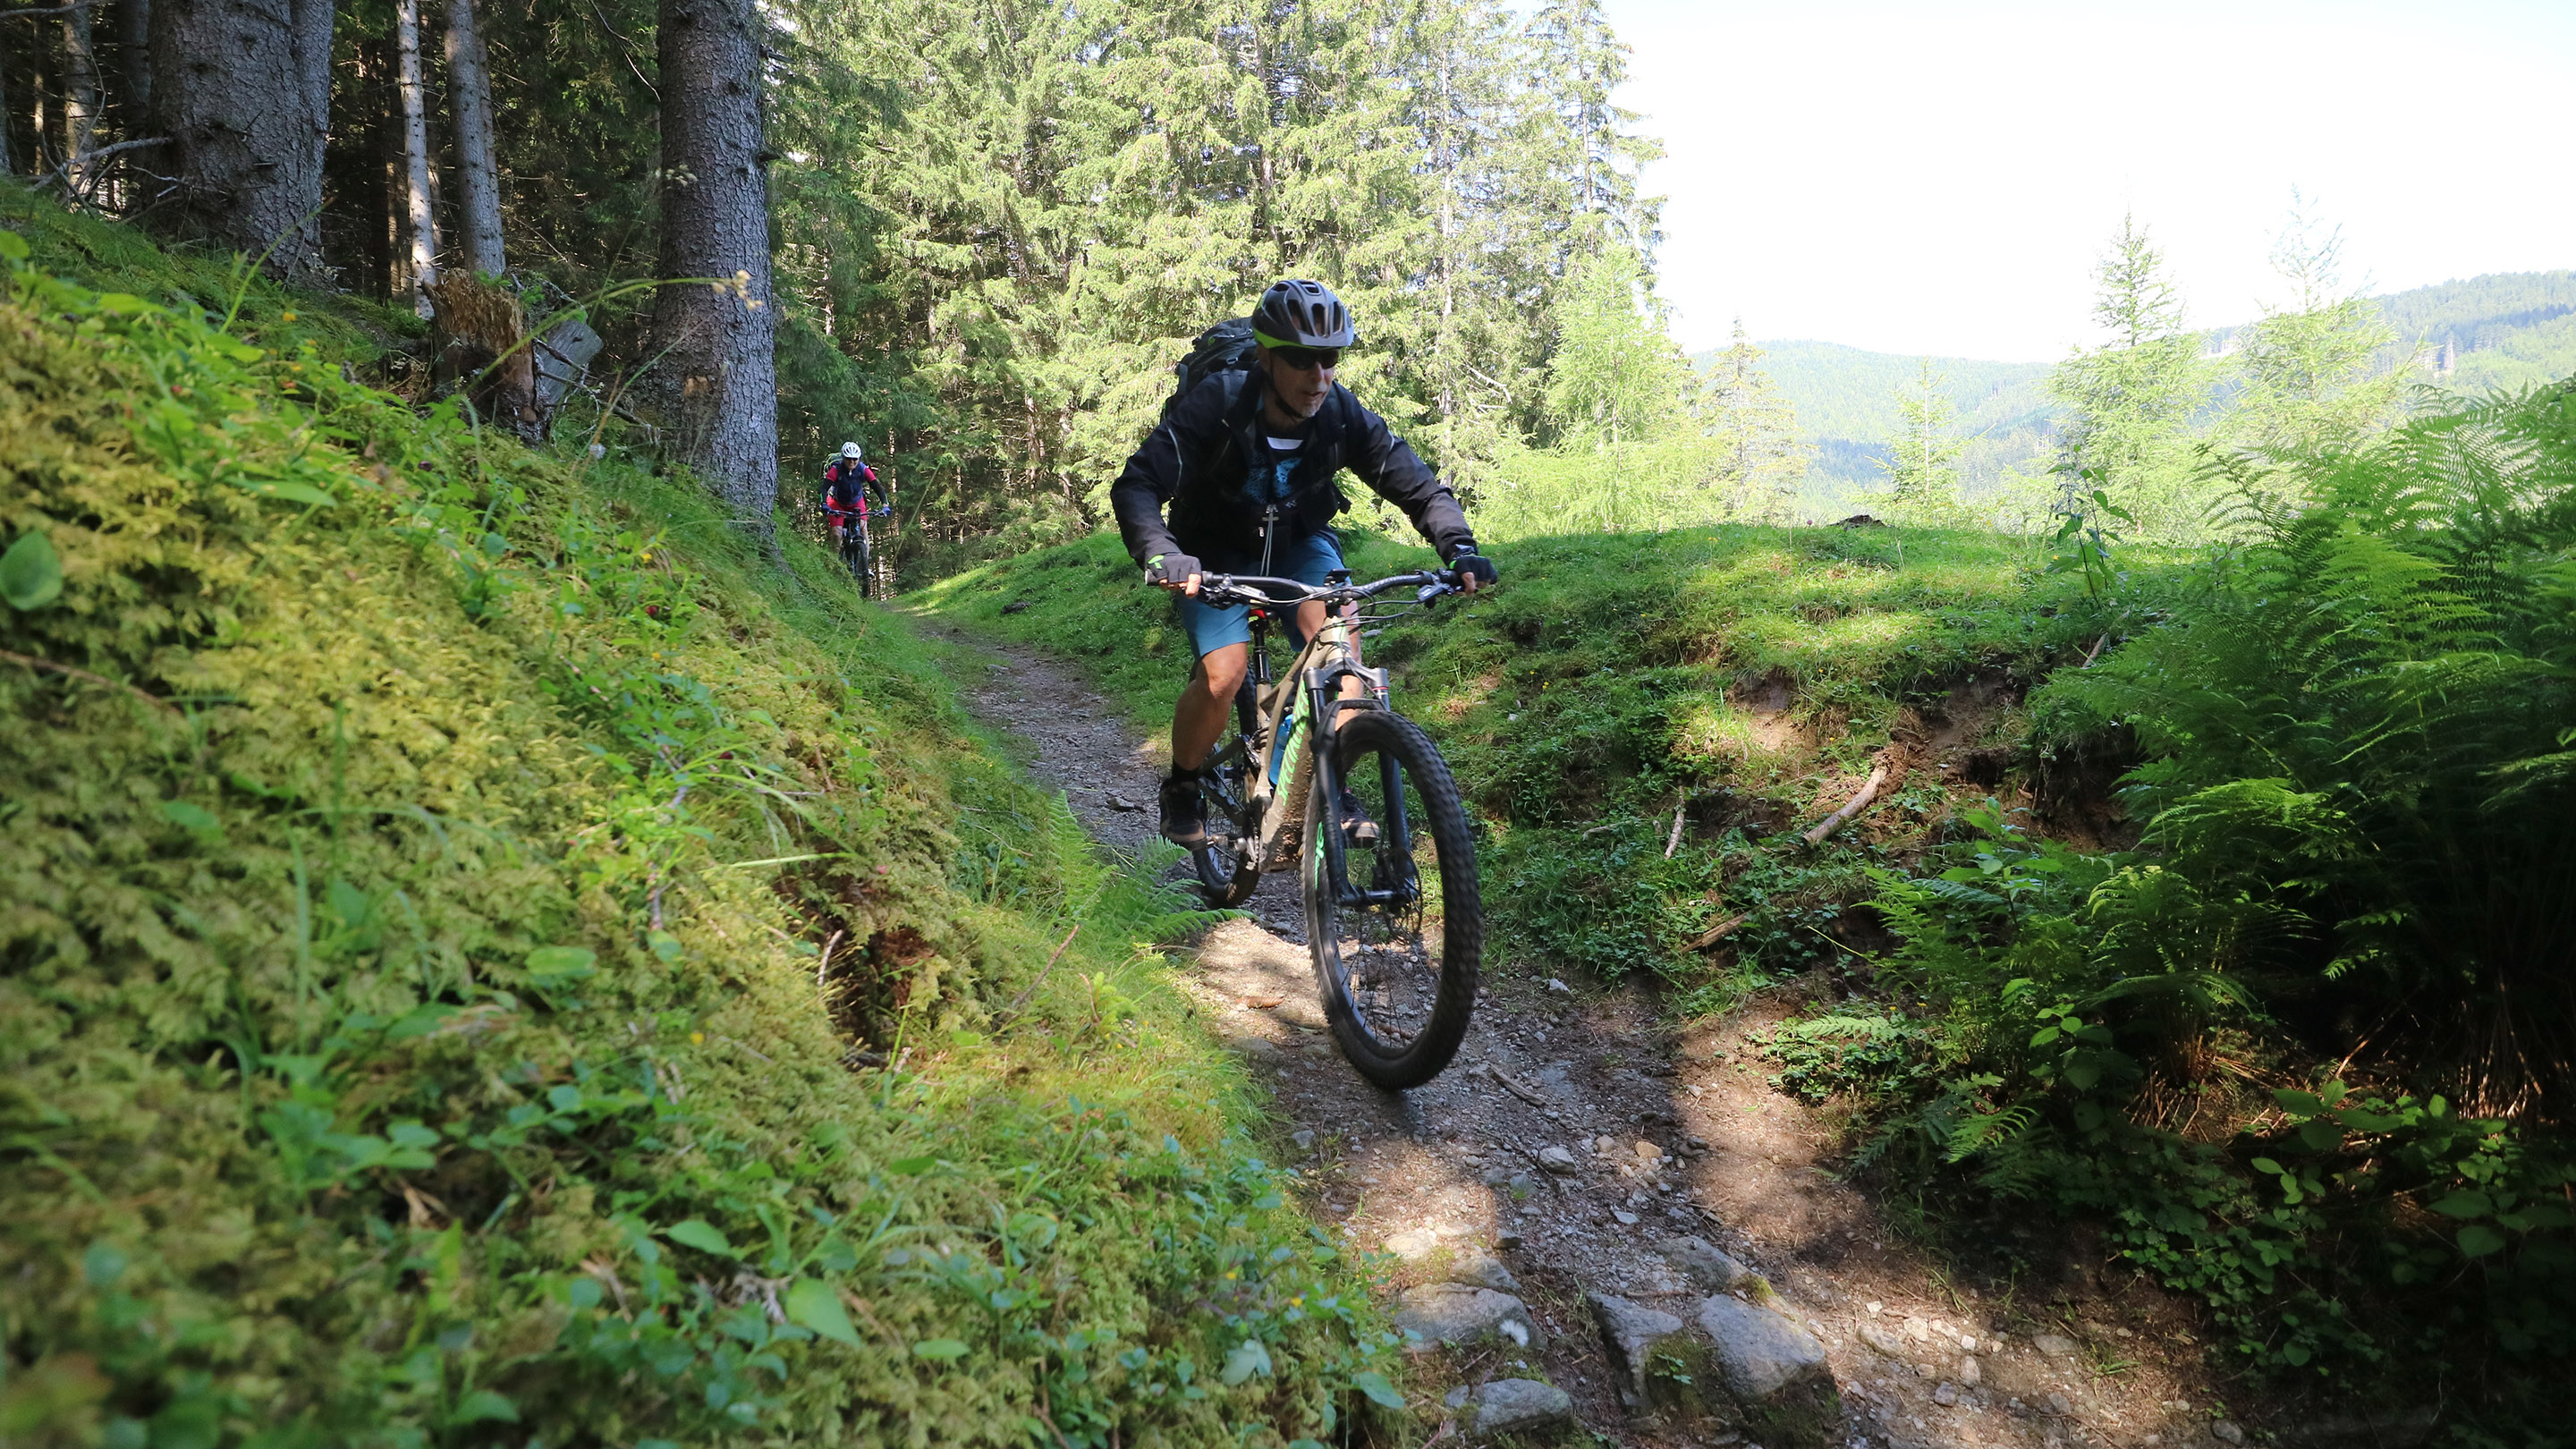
(486,961)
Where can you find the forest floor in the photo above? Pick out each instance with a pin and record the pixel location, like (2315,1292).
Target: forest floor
(1674,1132)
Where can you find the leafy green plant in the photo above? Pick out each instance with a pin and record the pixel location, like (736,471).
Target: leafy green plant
(2357,725)
(1870,1055)
(2084,545)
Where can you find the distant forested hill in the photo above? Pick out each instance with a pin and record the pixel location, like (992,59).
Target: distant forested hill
(1846,400)
(1844,392)
(2508,329)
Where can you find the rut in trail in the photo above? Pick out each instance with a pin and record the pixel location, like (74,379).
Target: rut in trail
(1577,1133)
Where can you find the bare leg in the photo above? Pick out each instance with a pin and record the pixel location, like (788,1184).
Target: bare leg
(1198,719)
(1310,621)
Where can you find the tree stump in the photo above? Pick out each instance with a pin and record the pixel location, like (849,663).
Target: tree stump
(474,322)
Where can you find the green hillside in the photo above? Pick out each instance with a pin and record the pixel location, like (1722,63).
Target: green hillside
(490,959)
(2506,330)
(1848,392)
(1846,401)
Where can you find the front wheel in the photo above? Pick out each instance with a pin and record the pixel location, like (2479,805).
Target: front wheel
(854,553)
(1393,918)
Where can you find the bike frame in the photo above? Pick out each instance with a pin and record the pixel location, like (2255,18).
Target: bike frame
(1283,760)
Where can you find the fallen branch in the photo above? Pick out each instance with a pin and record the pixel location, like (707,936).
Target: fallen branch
(1675,842)
(1716,933)
(1845,815)
(822,966)
(85,164)
(1530,1095)
(32,662)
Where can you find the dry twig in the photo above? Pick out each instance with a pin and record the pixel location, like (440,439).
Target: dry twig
(1716,933)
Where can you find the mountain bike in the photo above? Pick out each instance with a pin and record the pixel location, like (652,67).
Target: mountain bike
(858,548)
(1325,777)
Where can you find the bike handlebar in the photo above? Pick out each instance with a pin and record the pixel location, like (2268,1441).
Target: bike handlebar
(1224,591)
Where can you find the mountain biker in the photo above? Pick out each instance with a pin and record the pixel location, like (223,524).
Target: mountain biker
(847,484)
(1246,459)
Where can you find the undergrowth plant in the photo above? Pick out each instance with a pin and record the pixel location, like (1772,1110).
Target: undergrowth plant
(2306,1052)
(488,963)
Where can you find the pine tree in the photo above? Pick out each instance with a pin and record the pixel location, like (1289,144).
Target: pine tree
(243,94)
(1924,467)
(2308,364)
(1616,377)
(2130,400)
(470,99)
(1761,463)
(721,387)
(419,226)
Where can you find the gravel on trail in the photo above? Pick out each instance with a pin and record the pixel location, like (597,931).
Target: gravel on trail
(1582,1145)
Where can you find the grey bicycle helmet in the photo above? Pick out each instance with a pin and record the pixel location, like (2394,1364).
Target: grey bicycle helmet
(1297,313)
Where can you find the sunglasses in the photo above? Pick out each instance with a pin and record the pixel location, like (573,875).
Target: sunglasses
(1307,359)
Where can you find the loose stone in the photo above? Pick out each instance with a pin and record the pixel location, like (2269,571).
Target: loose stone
(1629,1332)
(1462,1313)
(1516,1406)
(1699,1260)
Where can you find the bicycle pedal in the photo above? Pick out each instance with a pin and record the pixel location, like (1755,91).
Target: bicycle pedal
(1362,834)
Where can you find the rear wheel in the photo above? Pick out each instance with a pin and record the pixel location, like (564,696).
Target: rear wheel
(1227,873)
(1228,866)
(1395,924)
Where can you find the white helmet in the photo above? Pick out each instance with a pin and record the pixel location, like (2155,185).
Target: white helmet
(851,451)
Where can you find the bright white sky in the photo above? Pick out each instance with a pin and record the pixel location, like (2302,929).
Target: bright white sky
(1941,178)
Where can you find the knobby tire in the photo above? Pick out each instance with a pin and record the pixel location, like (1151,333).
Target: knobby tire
(1384,1050)
(1228,874)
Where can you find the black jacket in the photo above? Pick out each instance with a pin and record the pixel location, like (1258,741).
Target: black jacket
(1195,461)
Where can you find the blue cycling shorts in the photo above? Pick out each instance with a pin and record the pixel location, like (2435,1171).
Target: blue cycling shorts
(1307,560)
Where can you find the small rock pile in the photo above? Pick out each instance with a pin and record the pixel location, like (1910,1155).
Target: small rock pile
(1480,1301)
(1751,1364)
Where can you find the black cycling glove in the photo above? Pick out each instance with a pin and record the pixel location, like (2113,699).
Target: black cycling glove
(1466,562)
(1171,568)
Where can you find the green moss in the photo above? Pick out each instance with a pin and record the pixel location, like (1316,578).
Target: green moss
(1682,1382)
(489,960)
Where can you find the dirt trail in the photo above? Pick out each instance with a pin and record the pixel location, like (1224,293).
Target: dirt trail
(1670,1134)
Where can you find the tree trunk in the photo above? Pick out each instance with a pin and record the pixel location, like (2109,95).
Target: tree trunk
(134,63)
(417,216)
(6,119)
(81,94)
(721,383)
(243,91)
(469,87)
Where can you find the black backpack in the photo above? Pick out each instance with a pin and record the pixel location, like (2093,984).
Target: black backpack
(1226,347)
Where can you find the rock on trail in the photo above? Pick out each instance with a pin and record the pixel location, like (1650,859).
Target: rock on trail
(1591,1219)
